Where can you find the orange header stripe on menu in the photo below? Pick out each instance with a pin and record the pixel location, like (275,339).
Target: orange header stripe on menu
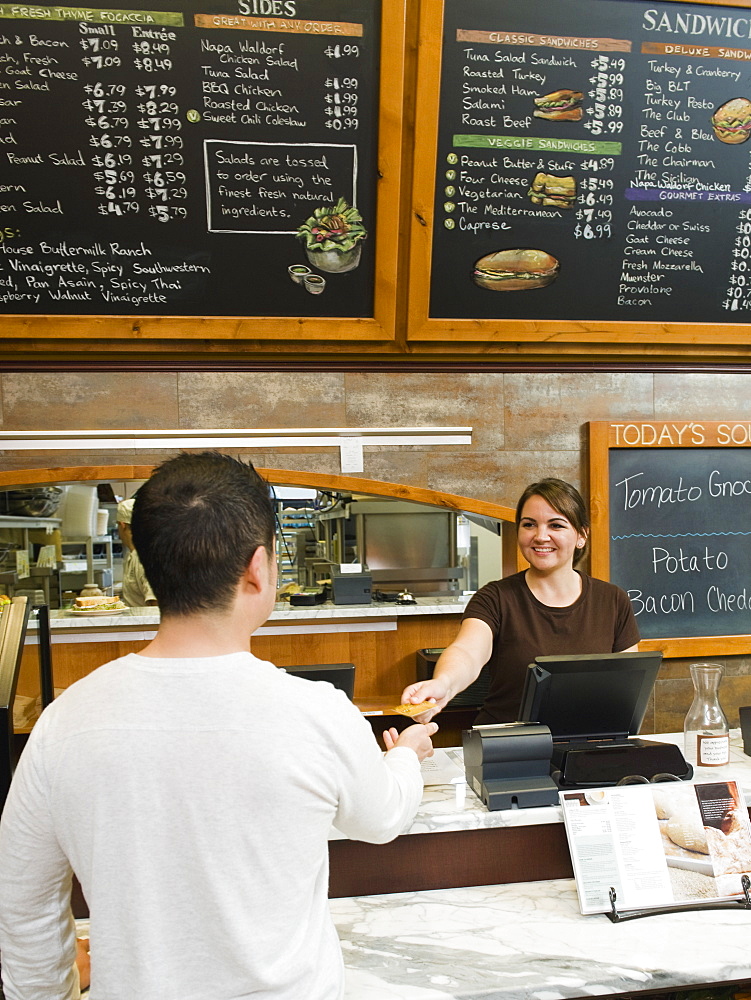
(562,42)
(701,51)
(289,25)
(680,434)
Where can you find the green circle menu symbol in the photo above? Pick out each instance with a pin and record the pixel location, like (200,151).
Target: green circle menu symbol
(448,206)
(449,223)
(452,158)
(449,191)
(450,175)
(193,115)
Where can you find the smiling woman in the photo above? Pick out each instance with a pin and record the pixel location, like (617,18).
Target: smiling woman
(548,608)
(552,532)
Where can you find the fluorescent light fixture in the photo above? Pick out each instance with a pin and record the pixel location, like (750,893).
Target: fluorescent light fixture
(293,493)
(319,437)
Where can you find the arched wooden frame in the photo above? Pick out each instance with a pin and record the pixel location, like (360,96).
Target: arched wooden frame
(512,561)
(506,516)
(278,477)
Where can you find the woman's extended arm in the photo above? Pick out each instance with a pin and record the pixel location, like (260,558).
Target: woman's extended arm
(457,667)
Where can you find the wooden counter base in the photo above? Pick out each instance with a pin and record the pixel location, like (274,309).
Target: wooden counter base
(449,860)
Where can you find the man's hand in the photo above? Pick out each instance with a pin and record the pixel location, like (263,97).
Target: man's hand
(416,737)
(82,961)
(432,690)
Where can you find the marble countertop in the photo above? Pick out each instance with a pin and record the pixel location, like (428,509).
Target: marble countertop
(527,941)
(455,806)
(282,613)
(422,606)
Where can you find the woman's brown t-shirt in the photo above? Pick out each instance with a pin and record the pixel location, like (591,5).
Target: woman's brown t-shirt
(600,621)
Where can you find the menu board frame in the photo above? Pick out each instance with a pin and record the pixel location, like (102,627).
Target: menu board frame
(380,327)
(527,331)
(605,436)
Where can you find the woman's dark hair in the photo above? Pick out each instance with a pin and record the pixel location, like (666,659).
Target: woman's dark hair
(564,498)
(196,524)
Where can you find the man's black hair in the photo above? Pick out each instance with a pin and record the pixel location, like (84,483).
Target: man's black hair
(196,524)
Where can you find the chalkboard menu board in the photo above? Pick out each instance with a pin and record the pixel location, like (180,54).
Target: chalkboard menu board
(211,159)
(676,500)
(589,161)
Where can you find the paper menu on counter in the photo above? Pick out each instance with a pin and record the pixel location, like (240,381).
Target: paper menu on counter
(657,844)
(441,769)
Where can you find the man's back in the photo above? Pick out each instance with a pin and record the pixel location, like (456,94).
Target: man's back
(194,799)
(192,787)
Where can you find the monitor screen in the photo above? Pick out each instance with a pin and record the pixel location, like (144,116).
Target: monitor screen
(589,696)
(341,675)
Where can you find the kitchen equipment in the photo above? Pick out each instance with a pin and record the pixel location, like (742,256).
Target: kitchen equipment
(351,588)
(37,501)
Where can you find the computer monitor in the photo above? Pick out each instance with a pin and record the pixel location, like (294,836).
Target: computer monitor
(589,696)
(341,675)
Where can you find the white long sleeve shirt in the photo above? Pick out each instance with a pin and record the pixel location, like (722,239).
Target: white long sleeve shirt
(193,799)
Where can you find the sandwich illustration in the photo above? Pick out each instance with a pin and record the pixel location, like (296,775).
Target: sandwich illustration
(515,270)
(559,106)
(731,122)
(550,189)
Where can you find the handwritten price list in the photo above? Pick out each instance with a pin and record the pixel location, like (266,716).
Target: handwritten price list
(141,171)
(150,155)
(605,140)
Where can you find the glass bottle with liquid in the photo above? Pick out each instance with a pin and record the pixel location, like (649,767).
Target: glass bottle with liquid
(706,738)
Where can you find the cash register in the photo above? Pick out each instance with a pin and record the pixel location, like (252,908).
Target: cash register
(578,721)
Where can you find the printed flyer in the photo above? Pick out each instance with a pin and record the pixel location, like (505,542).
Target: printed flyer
(657,844)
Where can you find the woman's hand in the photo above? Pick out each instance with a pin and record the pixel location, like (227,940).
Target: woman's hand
(434,690)
(457,667)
